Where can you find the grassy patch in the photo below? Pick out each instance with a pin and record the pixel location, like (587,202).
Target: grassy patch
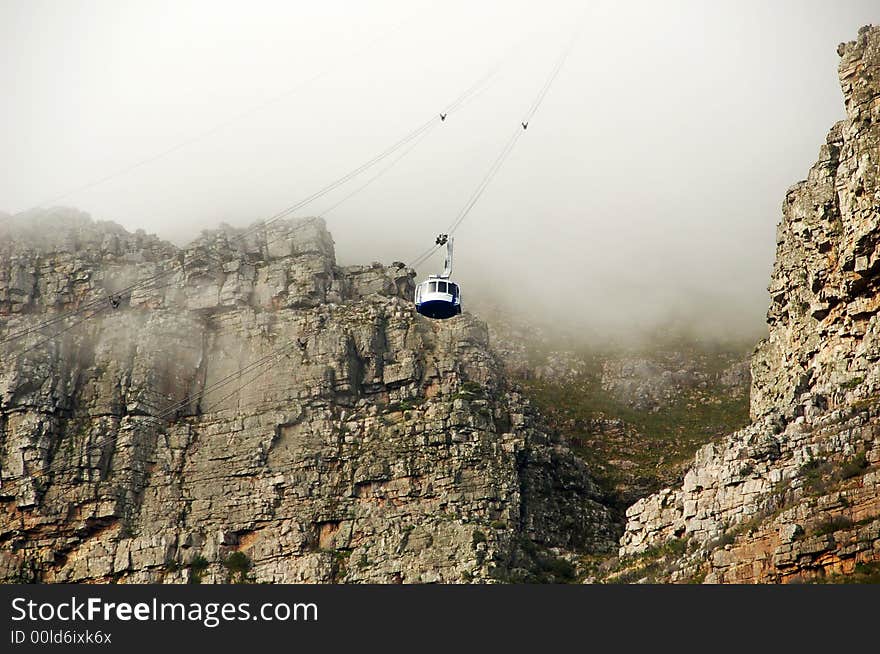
(651,564)
(821,475)
(649,448)
(854,467)
(238,564)
(535,564)
(197,568)
(832,524)
(339,564)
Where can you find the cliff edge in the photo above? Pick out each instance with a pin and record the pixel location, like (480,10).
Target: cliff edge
(246,409)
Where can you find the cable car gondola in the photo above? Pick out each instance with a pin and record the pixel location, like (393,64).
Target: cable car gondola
(438,296)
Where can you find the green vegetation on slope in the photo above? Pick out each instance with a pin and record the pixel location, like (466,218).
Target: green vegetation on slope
(635,452)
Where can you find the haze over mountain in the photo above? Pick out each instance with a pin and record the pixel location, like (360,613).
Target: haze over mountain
(646,190)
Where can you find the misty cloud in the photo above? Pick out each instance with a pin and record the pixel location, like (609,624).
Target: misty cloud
(646,190)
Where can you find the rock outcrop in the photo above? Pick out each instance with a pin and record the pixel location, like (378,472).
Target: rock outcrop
(246,394)
(823,319)
(794,495)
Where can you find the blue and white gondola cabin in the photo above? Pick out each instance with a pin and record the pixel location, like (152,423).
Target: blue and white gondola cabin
(439,297)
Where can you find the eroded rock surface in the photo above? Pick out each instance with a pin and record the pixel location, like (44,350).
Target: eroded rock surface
(246,394)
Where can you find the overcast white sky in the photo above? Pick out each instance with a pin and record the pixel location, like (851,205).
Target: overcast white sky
(648,186)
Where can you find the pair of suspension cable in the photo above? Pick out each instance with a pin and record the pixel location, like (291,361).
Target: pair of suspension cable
(412,139)
(502,156)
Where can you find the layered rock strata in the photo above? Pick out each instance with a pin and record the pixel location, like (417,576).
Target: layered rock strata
(247,394)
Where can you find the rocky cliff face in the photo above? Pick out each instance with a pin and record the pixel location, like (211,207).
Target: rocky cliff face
(794,496)
(246,394)
(823,344)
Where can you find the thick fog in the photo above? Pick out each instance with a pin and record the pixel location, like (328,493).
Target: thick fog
(645,191)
